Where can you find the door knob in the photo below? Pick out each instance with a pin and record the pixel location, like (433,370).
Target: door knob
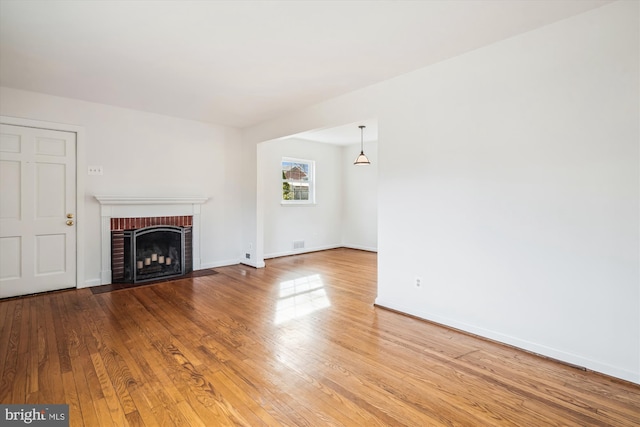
(69,215)
(69,222)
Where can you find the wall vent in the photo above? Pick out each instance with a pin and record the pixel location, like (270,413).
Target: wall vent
(298,244)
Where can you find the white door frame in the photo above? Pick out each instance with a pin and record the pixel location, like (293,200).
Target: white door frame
(80,173)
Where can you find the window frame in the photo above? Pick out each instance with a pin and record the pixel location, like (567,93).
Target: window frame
(311,180)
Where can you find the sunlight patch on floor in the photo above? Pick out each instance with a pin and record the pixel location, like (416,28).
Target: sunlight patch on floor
(300,297)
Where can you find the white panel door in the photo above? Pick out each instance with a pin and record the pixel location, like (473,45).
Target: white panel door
(37,210)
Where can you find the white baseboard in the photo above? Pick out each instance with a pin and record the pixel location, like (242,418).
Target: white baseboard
(361,248)
(253,264)
(541,349)
(300,251)
(89,283)
(214,264)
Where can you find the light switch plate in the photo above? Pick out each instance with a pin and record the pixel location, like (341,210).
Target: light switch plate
(95,170)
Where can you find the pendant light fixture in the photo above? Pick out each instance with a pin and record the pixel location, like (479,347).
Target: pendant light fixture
(362,159)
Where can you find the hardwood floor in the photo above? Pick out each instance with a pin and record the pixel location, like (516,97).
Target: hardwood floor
(296,343)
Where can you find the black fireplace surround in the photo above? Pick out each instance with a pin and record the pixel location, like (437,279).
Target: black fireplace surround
(157,252)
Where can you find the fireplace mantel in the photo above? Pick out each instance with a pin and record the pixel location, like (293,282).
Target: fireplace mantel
(132,200)
(132,206)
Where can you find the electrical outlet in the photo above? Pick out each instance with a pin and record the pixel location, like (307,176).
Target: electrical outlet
(95,170)
(247,256)
(418,282)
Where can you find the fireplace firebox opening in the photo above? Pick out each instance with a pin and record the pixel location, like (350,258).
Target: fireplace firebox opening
(154,252)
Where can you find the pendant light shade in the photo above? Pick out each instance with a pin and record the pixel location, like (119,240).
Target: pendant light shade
(361,159)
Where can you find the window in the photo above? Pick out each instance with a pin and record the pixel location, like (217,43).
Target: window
(297,181)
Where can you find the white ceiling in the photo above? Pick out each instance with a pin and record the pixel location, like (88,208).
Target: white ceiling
(239,63)
(343,135)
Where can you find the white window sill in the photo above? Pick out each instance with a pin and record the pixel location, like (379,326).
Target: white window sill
(288,205)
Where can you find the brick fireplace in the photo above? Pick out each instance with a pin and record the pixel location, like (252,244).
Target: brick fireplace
(120,213)
(130,263)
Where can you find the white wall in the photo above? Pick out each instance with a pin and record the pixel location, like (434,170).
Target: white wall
(250,195)
(148,155)
(318,225)
(360,198)
(345,213)
(509,182)
(521,215)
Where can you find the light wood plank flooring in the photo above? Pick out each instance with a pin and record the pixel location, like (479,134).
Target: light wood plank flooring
(297,343)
